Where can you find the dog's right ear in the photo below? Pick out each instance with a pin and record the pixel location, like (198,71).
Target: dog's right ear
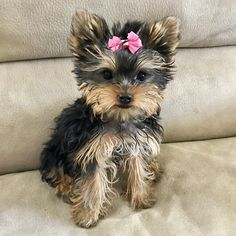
(89,35)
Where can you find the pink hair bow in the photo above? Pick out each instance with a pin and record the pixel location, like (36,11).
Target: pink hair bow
(133,43)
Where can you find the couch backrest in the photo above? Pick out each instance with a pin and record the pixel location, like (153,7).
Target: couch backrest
(40,29)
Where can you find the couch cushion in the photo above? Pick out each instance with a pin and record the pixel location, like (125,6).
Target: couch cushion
(199,104)
(196,196)
(39,29)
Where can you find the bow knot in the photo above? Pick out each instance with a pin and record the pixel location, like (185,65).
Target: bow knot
(133,43)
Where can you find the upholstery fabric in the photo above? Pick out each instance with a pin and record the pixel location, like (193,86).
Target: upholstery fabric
(196,196)
(200,102)
(39,29)
(197,192)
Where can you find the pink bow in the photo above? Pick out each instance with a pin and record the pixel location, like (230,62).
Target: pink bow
(133,43)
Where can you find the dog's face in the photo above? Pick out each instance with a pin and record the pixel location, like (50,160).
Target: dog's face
(121,85)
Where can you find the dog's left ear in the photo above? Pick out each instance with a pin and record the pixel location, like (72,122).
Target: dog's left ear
(89,34)
(162,36)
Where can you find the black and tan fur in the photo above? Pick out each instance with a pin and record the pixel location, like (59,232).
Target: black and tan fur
(97,137)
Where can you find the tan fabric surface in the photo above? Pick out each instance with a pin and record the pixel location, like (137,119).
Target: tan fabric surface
(200,103)
(196,196)
(32,94)
(39,29)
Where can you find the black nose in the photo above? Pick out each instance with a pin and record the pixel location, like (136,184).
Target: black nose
(125,98)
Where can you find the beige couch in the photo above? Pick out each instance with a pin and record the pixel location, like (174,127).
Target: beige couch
(197,194)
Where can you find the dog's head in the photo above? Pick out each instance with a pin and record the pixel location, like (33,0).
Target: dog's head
(120,79)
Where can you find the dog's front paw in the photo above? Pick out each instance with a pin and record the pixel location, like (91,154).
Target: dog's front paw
(85,217)
(142,202)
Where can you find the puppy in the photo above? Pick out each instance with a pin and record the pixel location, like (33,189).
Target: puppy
(112,132)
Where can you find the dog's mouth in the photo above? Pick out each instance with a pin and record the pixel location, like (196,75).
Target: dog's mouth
(123,106)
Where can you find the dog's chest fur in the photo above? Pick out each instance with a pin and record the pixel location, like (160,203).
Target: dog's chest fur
(117,141)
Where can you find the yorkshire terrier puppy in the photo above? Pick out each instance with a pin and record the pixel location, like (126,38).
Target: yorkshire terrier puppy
(113,130)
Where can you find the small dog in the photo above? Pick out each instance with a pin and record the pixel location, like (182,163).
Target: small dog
(112,132)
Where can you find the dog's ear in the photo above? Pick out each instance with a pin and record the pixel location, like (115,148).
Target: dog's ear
(89,34)
(162,36)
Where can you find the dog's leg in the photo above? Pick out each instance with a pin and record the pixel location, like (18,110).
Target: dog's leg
(51,177)
(62,182)
(140,178)
(91,196)
(48,168)
(154,170)
(63,187)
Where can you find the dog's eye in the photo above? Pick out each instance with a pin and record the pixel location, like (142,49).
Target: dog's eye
(141,76)
(107,75)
